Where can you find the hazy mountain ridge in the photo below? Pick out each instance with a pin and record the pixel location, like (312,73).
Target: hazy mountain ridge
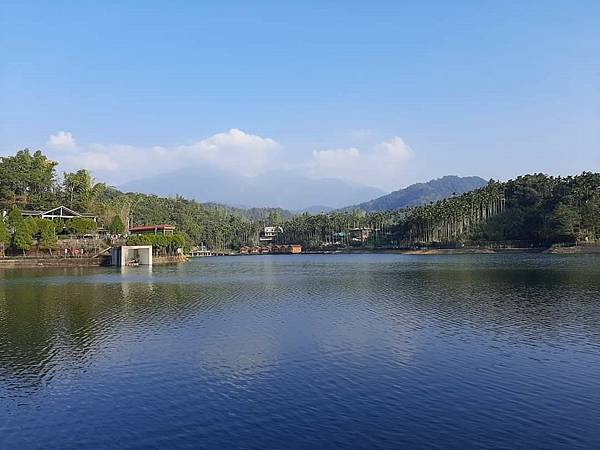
(273,189)
(421,193)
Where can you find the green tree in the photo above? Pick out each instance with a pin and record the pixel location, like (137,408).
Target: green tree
(59,225)
(14,218)
(5,235)
(48,239)
(22,237)
(116,226)
(78,188)
(27,179)
(33,225)
(177,241)
(274,218)
(81,226)
(567,220)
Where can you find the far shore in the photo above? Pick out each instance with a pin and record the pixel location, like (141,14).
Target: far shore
(10,262)
(429,251)
(574,250)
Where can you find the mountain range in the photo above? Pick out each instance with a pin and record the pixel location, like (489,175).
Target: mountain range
(283,189)
(421,193)
(295,192)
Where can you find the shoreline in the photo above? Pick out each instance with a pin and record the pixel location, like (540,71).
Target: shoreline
(574,250)
(36,262)
(11,262)
(33,262)
(429,251)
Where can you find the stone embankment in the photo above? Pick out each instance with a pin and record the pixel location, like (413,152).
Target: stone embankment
(102,260)
(159,260)
(51,262)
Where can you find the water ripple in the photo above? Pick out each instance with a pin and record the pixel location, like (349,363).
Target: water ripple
(304,351)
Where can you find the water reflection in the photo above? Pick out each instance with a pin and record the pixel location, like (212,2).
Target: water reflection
(299,338)
(67,317)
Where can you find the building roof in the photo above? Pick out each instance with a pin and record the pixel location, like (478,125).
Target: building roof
(59,211)
(159,227)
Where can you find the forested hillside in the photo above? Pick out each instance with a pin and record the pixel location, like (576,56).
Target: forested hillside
(529,210)
(536,210)
(29,181)
(422,193)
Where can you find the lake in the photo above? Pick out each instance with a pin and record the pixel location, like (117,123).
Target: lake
(304,351)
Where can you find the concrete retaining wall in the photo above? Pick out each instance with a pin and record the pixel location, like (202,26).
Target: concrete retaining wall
(51,262)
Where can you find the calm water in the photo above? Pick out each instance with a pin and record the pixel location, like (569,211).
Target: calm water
(304,351)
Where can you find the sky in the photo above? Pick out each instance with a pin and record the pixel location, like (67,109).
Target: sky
(378,93)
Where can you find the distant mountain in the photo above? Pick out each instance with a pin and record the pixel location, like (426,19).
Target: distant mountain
(422,193)
(281,189)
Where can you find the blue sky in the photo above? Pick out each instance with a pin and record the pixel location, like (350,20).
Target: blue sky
(380,93)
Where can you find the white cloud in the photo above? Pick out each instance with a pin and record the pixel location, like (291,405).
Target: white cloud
(382,165)
(235,151)
(63,140)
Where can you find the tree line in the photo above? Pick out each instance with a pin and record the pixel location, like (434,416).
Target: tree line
(30,181)
(532,209)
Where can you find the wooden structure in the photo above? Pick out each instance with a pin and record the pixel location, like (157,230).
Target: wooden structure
(295,248)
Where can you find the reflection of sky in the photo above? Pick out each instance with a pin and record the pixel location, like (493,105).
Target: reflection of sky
(244,316)
(303,319)
(295,336)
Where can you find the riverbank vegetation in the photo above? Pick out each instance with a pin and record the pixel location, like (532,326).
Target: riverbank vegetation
(30,181)
(531,210)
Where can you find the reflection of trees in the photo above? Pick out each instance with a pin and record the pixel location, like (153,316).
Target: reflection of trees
(539,299)
(55,322)
(536,303)
(62,320)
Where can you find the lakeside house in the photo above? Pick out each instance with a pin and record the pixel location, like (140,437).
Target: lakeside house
(163,228)
(59,212)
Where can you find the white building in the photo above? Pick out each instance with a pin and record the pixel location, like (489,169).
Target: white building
(269,234)
(131,255)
